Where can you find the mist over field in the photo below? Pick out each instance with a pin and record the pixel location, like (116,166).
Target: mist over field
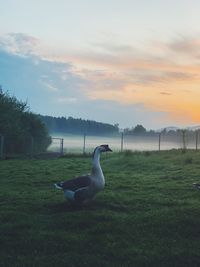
(75,143)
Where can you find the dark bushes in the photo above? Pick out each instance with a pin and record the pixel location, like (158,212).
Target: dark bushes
(23,131)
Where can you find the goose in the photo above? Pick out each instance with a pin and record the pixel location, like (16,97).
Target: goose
(196,185)
(82,189)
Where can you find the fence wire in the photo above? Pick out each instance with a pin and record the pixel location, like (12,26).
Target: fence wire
(68,144)
(161,141)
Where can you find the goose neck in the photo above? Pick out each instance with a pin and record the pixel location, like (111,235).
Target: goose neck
(96,158)
(96,167)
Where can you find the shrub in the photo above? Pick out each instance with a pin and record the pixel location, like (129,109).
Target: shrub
(23,130)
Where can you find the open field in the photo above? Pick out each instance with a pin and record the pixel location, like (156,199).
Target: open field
(148,214)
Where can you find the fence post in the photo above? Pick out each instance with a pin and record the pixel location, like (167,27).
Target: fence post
(61,146)
(31,147)
(1,145)
(159,141)
(197,137)
(84,137)
(122,141)
(184,139)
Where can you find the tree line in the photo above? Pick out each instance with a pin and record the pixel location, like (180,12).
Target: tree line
(138,130)
(170,131)
(22,129)
(78,126)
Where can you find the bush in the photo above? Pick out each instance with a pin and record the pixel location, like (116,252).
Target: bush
(23,130)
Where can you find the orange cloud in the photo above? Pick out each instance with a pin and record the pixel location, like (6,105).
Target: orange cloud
(177,97)
(165,77)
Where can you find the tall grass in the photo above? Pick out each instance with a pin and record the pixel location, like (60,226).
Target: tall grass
(148,214)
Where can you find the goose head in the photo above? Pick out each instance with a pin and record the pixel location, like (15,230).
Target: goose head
(101,148)
(104,148)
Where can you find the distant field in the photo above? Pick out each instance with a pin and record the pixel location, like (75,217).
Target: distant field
(75,143)
(148,214)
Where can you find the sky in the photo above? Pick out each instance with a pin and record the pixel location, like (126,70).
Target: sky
(125,61)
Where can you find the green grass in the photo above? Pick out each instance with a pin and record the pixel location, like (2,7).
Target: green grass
(148,214)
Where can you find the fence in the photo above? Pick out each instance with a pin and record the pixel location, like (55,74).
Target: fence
(1,146)
(60,142)
(27,146)
(161,141)
(182,139)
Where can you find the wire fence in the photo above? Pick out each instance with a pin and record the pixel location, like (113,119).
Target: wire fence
(69,144)
(122,142)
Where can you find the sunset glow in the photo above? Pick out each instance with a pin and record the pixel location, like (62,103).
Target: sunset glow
(126,62)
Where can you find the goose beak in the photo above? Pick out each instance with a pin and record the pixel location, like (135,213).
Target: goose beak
(106,148)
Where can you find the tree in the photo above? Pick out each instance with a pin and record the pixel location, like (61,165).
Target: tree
(139,130)
(20,127)
(78,126)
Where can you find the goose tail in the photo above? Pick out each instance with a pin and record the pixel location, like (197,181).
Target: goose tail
(59,186)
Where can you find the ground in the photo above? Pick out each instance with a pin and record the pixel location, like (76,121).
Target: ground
(148,214)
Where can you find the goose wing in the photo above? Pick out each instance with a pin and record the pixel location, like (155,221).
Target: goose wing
(82,195)
(77,183)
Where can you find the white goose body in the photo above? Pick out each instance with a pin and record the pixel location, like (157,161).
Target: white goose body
(82,189)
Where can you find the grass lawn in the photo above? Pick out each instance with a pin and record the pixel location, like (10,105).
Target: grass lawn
(148,214)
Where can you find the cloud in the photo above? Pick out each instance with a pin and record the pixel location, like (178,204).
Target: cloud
(19,44)
(50,86)
(179,76)
(112,48)
(165,93)
(150,77)
(42,84)
(185,45)
(48,93)
(181,49)
(151,65)
(105,83)
(145,75)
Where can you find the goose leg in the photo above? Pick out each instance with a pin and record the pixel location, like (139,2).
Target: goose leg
(69,194)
